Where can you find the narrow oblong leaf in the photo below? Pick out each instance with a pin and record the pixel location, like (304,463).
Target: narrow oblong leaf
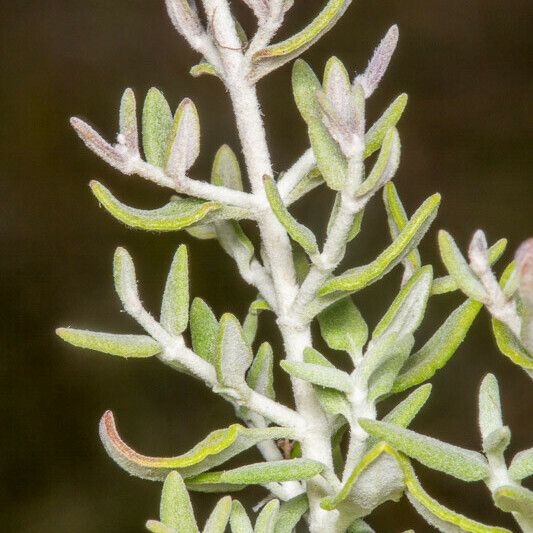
(260,377)
(522,465)
(375,135)
(290,513)
(343,327)
(438,350)
(110,343)
(510,345)
(358,278)
(298,232)
(239,521)
(513,499)
(219,518)
(204,330)
(226,170)
(125,279)
(176,509)
(177,214)
(319,375)
(458,462)
(490,410)
(175,306)
(128,121)
(210,483)
(156,127)
(158,527)
(217,448)
(266,520)
(404,413)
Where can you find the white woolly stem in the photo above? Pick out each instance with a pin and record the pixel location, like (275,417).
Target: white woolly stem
(296,173)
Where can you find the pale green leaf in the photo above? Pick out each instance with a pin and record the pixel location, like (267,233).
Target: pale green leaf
(175,306)
(359,526)
(125,278)
(184,143)
(522,465)
(266,520)
(176,509)
(358,278)
(404,413)
(210,483)
(156,127)
(319,375)
(110,343)
(235,242)
(203,68)
(309,182)
(177,214)
(226,170)
(511,346)
(128,121)
(204,330)
(490,411)
(239,521)
(458,462)
(219,518)
(290,513)
(343,327)
(261,374)
(202,232)
(513,499)
(438,350)
(298,232)
(305,86)
(158,527)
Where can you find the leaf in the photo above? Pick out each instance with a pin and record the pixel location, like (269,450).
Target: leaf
(522,465)
(459,269)
(260,377)
(239,521)
(359,526)
(458,462)
(266,520)
(204,330)
(156,127)
(226,170)
(290,513)
(235,243)
(408,308)
(438,350)
(278,54)
(157,527)
(175,306)
(125,279)
(110,343)
(358,278)
(184,144)
(177,214)
(357,221)
(319,375)
(404,413)
(513,499)
(217,448)
(298,232)
(309,182)
(375,135)
(176,508)
(376,355)
(490,415)
(219,518)
(203,68)
(510,345)
(343,327)
(128,121)
(234,355)
(338,89)
(210,483)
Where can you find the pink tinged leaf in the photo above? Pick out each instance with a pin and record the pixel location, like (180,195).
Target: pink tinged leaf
(339,90)
(184,18)
(98,145)
(478,252)
(377,66)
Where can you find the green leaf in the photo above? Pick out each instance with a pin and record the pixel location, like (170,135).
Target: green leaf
(251,322)
(202,232)
(210,483)
(298,232)
(125,278)
(239,521)
(110,343)
(203,68)
(404,413)
(305,86)
(495,437)
(235,243)
(459,269)
(234,355)
(219,518)
(458,462)
(177,214)
(184,143)
(309,182)
(275,55)
(358,278)
(343,327)
(510,345)
(378,352)
(375,135)
(217,448)
(156,127)
(359,526)
(513,499)
(158,527)
(522,465)
(204,330)
(260,377)
(175,306)
(438,350)
(128,121)
(290,513)
(176,509)
(408,308)
(226,169)
(266,520)
(319,375)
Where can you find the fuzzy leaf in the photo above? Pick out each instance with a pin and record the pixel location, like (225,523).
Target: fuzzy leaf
(438,350)
(459,269)
(357,221)
(375,135)
(522,465)
(404,413)
(260,377)
(204,330)
(358,278)
(210,483)
(266,520)
(298,232)
(234,355)
(203,68)
(513,499)
(235,243)
(290,513)
(458,462)
(278,54)
(156,127)
(510,345)
(343,327)
(128,121)
(125,279)
(217,448)
(490,412)
(110,343)
(359,526)
(158,527)
(309,182)
(319,375)
(176,508)
(338,88)
(219,518)
(175,306)
(226,170)
(239,521)
(177,214)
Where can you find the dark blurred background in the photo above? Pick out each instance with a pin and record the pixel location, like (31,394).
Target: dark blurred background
(466,133)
